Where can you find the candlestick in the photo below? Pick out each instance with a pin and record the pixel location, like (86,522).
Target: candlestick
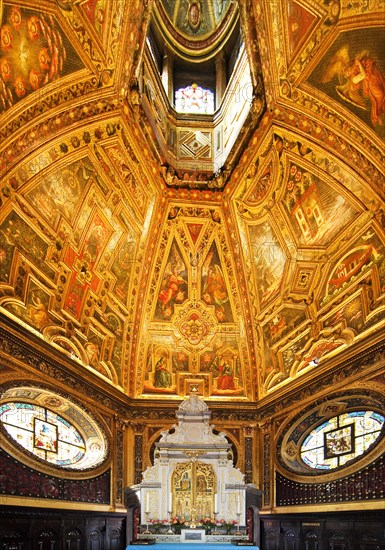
(215,532)
(170,531)
(239,521)
(147,531)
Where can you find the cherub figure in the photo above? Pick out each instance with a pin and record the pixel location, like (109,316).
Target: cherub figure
(359,78)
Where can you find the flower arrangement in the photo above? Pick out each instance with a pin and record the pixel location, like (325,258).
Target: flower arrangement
(177,522)
(207,523)
(227,525)
(158,523)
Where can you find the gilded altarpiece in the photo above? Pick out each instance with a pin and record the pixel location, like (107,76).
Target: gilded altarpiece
(193,476)
(193,486)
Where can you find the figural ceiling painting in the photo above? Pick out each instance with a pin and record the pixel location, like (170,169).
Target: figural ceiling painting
(234,291)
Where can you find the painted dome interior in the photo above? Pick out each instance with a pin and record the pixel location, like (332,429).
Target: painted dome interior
(240,254)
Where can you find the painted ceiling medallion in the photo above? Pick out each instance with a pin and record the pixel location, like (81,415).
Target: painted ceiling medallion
(195,326)
(194,14)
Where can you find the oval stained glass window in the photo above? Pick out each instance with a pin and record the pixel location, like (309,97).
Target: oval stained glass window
(340,439)
(50,436)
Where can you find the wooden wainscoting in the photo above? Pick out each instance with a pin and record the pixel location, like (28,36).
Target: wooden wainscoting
(47,529)
(324,531)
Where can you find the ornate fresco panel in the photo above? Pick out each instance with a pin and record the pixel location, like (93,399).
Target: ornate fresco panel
(34,52)
(352,73)
(315,210)
(268,260)
(366,255)
(16,236)
(192,337)
(213,285)
(299,23)
(96,11)
(194,17)
(60,192)
(174,285)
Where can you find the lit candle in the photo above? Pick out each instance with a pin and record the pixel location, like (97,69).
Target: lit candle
(147,503)
(238,504)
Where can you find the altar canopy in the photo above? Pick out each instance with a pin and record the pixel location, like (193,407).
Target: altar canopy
(193,476)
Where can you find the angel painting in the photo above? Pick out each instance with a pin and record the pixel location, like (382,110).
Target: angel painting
(215,291)
(359,79)
(174,285)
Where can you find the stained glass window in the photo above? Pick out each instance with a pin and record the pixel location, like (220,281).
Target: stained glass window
(194,99)
(341,439)
(50,436)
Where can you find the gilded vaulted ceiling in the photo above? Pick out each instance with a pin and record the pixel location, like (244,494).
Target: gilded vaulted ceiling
(241,290)
(195,29)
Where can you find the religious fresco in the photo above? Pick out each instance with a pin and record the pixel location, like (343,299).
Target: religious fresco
(315,209)
(174,285)
(350,314)
(35,313)
(34,52)
(126,166)
(194,17)
(123,264)
(37,305)
(16,234)
(214,290)
(299,23)
(160,375)
(223,364)
(96,12)
(107,346)
(259,186)
(283,322)
(290,352)
(199,342)
(366,251)
(60,192)
(180,361)
(268,260)
(363,262)
(352,73)
(194,230)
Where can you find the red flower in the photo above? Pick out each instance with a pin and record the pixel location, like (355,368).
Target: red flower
(33,26)
(6,37)
(5,69)
(15,17)
(20,86)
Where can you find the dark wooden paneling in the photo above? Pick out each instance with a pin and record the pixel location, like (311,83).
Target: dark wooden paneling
(339,531)
(45,529)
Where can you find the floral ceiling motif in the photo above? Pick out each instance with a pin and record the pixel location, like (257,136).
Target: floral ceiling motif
(34,52)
